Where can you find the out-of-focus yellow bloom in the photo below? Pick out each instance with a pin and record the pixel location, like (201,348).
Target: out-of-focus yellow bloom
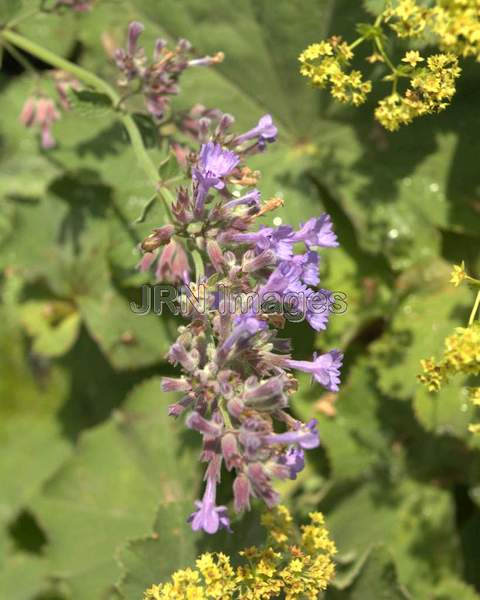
(326,64)
(407,19)
(291,564)
(458,274)
(412,57)
(432,88)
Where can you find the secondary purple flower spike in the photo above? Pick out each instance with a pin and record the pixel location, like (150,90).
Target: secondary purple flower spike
(209,517)
(157,78)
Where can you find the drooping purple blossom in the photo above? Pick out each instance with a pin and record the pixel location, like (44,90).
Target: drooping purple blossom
(305,436)
(209,517)
(324,368)
(265,131)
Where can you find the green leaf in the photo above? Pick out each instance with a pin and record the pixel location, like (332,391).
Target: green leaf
(30,435)
(353,438)
(454,588)
(54,31)
(52,337)
(23,577)
(89,104)
(448,411)
(110,490)
(145,561)
(409,518)
(377,579)
(128,340)
(9,8)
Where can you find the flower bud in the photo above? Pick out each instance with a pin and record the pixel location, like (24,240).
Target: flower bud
(27,115)
(225,123)
(160,237)
(215,254)
(268,395)
(135,29)
(178,354)
(196,421)
(230,451)
(255,263)
(169,384)
(241,493)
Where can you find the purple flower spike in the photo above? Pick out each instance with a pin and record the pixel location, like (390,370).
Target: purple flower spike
(209,517)
(317,231)
(236,380)
(324,368)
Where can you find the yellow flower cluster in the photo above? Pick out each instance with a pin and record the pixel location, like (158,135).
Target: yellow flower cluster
(432,88)
(461,353)
(327,64)
(453,25)
(457,26)
(292,564)
(407,19)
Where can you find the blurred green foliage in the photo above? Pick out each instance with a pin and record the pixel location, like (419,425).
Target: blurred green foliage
(95,481)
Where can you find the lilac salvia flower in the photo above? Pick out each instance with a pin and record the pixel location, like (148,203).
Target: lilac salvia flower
(236,378)
(209,517)
(324,368)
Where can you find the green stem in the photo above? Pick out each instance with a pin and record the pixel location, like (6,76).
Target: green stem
(385,56)
(19,58)
(474,310)
(199,266)
(101,86)
(356,43)
(21,18)
(60,63)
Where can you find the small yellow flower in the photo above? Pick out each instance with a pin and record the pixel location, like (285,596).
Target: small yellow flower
(412,57)
(458,274)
